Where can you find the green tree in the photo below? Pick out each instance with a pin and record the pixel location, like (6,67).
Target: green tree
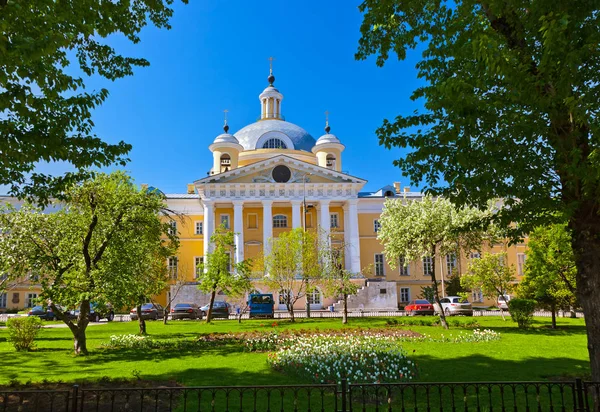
(510,111)
(490,274)
(218,273)
(96,247)
(431,227)
(45,113)
(550,269)
(293,265)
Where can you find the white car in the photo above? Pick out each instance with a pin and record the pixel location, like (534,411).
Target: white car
(503,302)
(454,305)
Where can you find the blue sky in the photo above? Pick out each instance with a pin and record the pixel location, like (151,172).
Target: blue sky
(215,58)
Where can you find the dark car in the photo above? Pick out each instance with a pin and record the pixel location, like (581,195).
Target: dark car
(150,311)
(220,310)
(97,312)
(42,313)
(186,311)
(419,307)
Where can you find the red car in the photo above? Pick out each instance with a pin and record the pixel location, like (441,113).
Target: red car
(419,307)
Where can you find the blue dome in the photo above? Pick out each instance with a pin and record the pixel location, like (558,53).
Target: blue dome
(250,136)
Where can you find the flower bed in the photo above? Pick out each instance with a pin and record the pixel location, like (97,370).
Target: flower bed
(360,359)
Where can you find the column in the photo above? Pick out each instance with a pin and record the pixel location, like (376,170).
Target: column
(354,236)
(209,224)
(296,221)
(347,238)
(238,230)
(324,219)
(267,225)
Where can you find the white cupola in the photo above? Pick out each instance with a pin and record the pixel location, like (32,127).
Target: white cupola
(328,150)
(270,101)
(226,150)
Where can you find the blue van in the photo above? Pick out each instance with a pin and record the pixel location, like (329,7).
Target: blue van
(261,306)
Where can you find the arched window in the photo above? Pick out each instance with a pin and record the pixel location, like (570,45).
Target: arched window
(330,161)
(274,143)
(225,162)
(285,296)
(280,221)
(315,297)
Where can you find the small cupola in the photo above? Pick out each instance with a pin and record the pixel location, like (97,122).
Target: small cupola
(328,149)
(270,99)
(225,149)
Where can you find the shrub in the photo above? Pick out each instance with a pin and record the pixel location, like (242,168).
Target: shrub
(22,332)
(129,342)
(521,311)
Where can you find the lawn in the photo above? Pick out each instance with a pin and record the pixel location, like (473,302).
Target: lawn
(536,354)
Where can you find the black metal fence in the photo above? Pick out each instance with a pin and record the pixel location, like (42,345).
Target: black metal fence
(576,396)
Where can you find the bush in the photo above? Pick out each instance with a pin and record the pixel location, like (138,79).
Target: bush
(521,311)
(22,332)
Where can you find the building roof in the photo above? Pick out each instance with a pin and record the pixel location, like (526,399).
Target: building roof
(250,135)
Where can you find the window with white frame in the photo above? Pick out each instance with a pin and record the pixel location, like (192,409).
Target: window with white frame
(477,295)
(379,265)
(334,222)
(315,297)
(172,264)
(450,264)
(198,261)
(228,261)
(198,228)
(280,221)
(427,266)
(285,296)
(173,228)
(225,221)
(403,265)
(475,255)
(521,263)
(30,301)
(501,261)
(3,299)
(376,225)
(404,294)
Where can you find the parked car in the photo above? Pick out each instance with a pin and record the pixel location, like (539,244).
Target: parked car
(261,306)
(454,305)
(503,302)
(42,313)
(419,307)
(151,311)
(220,310)
(186,311)
(97,312)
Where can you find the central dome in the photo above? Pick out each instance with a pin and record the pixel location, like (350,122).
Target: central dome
(254,135)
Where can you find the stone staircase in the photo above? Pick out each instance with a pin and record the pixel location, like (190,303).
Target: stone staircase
(373,296)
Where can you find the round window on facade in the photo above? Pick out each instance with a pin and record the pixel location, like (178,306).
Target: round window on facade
(281,174)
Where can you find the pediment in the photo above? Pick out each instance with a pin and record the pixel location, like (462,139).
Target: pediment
(263,172)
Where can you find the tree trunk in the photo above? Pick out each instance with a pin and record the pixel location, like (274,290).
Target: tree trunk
(141,321)
(553,310)
(290,307)
(345,311)
(210,305)
(80,340)
(166,315)
(502,314)
(436,293)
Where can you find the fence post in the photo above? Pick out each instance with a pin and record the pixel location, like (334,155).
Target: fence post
(344,393)
(580,395)
(75,396)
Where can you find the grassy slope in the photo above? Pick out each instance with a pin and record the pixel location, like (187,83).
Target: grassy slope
(521,355)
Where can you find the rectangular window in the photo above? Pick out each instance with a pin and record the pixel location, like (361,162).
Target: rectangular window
(31,298)
(198,227)
(475,255)
(403,267)
(172,264)
(173,228)
(427,266)
(228,261)
(477,295)
(521,263)
(334,221)
(501,260)
(252,221)
(379,265)
(198,261)
(3,299)
(225,221)
(404,294)
(376,225)
(450,264)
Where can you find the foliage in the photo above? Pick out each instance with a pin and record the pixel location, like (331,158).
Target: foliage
(45,113)
(324,359)
(490,274)
(129,341)
(431,321)
(521,311)
(23,331)
(102,244)
(453,285)
(427,293)
(550,268)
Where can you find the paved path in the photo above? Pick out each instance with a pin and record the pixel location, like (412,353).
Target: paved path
(62,325)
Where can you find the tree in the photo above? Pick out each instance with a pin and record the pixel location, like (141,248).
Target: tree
(46,115)
(217,273)
(431,227)
(177,281)
(510,111)
(97,247)
(550,269)
(490,274)
(292,266)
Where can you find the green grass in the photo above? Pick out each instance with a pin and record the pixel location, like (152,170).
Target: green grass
(536,354)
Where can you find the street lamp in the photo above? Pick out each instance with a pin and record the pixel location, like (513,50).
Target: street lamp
(304,238)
